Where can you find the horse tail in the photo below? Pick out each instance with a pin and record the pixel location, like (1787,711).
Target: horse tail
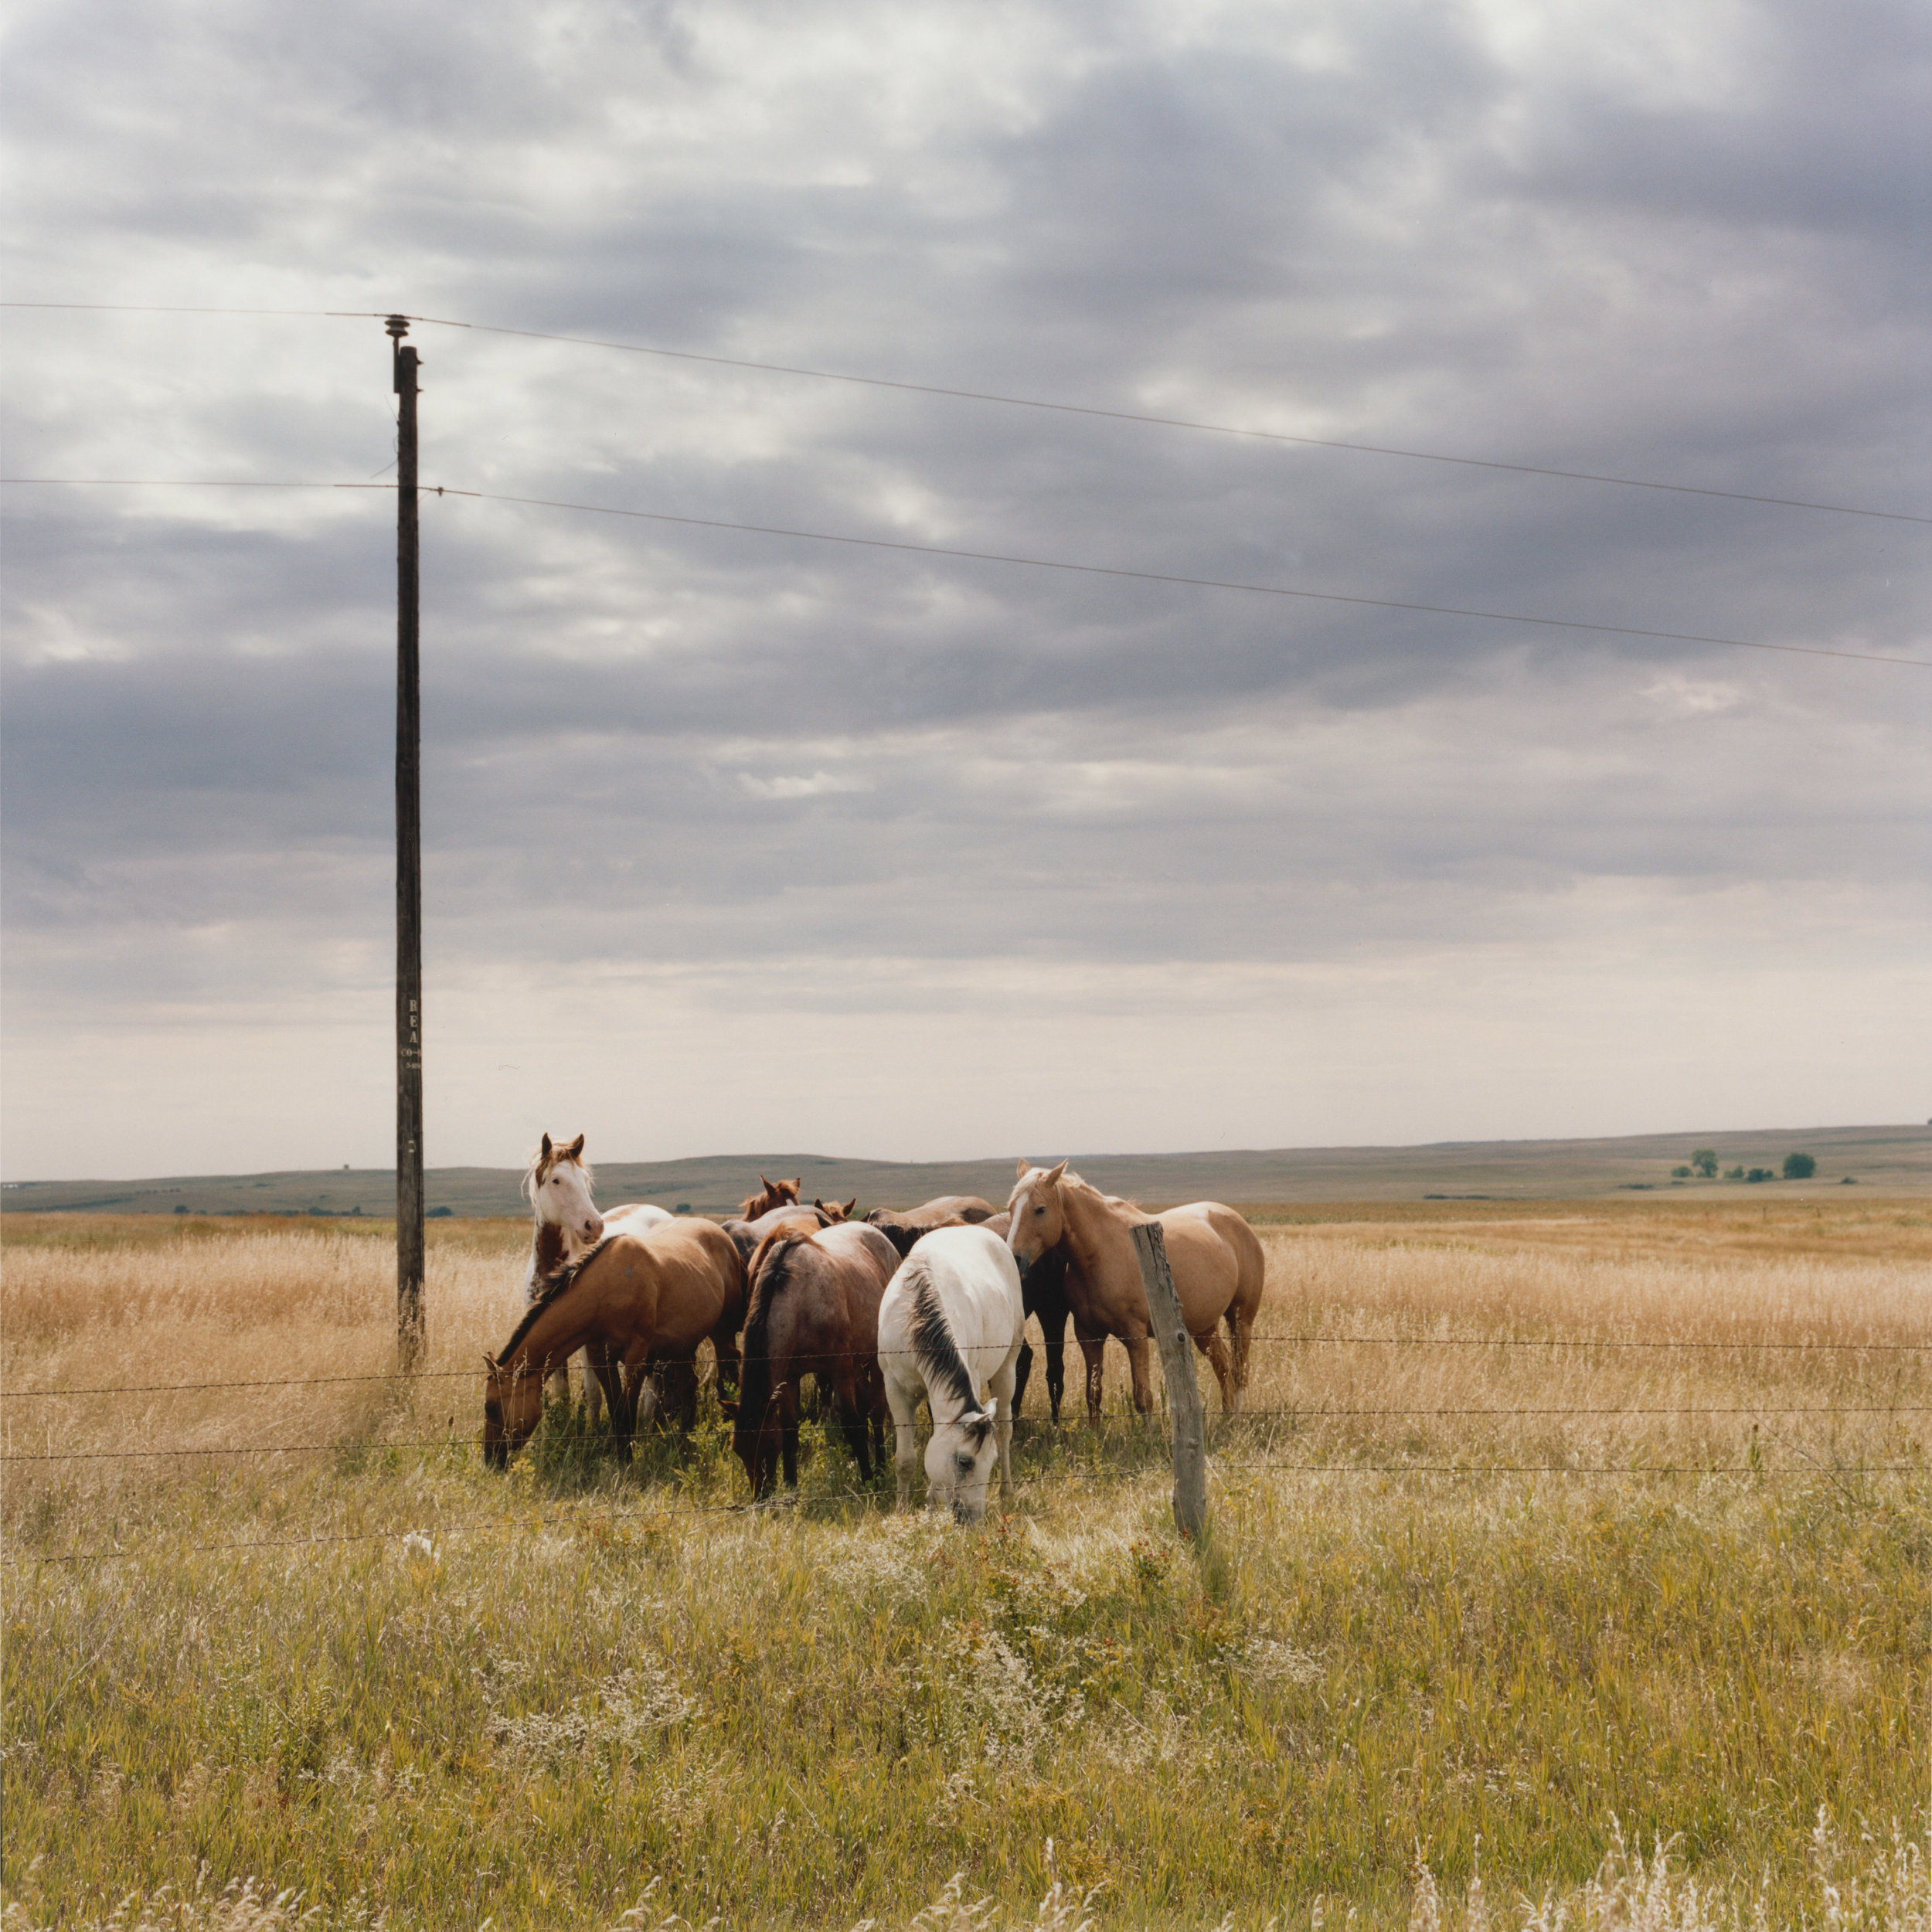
(1250,1286)
(770,1269)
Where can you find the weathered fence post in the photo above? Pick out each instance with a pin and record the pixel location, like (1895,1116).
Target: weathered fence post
(409,1325)
(1183,1391)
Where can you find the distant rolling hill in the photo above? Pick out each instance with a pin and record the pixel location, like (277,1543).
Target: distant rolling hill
(1895,1160)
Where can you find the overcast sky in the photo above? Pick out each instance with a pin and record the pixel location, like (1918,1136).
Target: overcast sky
(742,842)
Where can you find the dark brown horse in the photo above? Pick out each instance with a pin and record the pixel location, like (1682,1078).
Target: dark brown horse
(814,1312)
(771,1194)
(635,1302)
(1043,1288)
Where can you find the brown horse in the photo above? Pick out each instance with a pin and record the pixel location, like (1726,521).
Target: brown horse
(1218,1267)
(833,1212)
(814,1312)
(634,1301)
(929,1214)
(748,1234)
(771,1194)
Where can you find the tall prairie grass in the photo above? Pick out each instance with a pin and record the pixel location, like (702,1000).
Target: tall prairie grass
(360,1679)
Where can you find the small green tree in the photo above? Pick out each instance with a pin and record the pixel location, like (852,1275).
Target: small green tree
(1704,1161)
(1680,1172)
(1799,1167)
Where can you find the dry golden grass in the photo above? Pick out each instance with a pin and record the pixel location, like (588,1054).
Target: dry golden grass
(563,1685)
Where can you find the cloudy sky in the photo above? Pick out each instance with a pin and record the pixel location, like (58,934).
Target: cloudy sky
(738,841)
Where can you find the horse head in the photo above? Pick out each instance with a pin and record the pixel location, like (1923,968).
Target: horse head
(833,1212)
(771,1194)
(1038,1220)
(959,1463)
(557,1184)
(512,1406)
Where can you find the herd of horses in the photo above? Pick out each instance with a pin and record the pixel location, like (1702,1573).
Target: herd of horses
(924,1304)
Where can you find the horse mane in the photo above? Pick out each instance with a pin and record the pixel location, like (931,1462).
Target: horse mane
(552,1286)
(933,1348)
(1069,1176)
(548,1250)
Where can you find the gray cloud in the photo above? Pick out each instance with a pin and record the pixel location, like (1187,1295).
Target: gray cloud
(1693,250)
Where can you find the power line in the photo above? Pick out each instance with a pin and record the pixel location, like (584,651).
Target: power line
(1029,563)
(1014,559)
(1193,582)
(1011,402)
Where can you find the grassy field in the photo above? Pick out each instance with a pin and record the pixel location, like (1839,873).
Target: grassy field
(1472,1610)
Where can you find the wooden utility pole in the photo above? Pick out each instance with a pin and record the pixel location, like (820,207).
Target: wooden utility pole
(409,873)
(1183,1390)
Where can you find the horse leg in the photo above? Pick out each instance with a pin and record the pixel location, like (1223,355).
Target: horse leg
(680,1381)
(1004,1398)
(1022,1370)
(1055,1344)
(905,1448)
(1216,1351)
(851,1420)
(788,1430)
(1093,1347)
(1137,1361)
(629,1390)
(556,1388)
(724,1342)
(601,1386)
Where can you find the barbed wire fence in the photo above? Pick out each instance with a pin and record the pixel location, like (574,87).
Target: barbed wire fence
(1241,1443)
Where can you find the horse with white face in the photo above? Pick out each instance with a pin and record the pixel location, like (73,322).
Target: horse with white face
(950,1326)
(557,1184)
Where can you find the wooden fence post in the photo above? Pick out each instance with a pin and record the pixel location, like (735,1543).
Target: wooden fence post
(1183,1391)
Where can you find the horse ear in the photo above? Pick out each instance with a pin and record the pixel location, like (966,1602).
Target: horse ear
(575,1150)
(1025,1168)
(850,1205)
(543,1152)
(490,1361)
(1057,1171)
(763,1183)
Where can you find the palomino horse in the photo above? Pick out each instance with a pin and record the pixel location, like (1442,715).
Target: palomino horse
(814,1312)
(929,1214)
(951,1325)
(1217,1264)
(557,1184)
(771,1194)
(635,1301)
(832,1211)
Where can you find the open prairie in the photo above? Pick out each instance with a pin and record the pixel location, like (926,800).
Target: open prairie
(1551,1533)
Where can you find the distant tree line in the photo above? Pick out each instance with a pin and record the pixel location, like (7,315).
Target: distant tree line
(1703,1162)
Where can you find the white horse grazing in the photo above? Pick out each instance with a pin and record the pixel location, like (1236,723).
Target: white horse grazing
(557,1184)
(950,1324)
